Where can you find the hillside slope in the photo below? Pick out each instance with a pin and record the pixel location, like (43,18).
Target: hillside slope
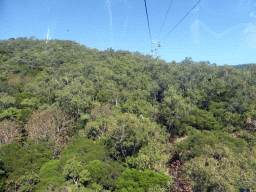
(79,119)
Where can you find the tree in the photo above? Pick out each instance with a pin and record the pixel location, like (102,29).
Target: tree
(6,101)
(173,109)
(85,150)
(76,172)
(201,119)
(153,156)
(194,145)
(134,180)
(30,103)
(50,176)
(140,107)
(28,182)
(32,88)
(11,113)
(18,161)
(99,118)
(95,169)
(127,134)
(20,97)
(51,123)
(8,131)
(111,170)
(75,98)
(104,173)
(3,175)
(220,170)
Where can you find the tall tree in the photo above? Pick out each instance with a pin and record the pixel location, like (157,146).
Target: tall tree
(8,131)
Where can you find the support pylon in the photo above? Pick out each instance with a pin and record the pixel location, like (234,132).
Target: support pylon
(157,44)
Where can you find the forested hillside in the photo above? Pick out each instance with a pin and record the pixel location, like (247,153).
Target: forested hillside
(79,119)
(242,66)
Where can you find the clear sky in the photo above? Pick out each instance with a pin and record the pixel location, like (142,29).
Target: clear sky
(221,31)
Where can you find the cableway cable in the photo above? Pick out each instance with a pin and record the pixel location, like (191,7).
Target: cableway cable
(165,18)
(148,20)
(182,19)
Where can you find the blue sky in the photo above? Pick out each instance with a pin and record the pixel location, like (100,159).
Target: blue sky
(220,31)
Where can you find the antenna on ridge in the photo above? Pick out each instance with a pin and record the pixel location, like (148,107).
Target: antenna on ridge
(47,37)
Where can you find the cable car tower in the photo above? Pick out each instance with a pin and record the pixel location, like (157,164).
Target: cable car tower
(157,44)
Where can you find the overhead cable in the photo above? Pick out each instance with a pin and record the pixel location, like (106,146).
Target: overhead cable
(148,20)
(182,19)
(165,18)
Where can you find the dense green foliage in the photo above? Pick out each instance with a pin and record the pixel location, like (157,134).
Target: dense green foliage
(80,119)
(241,66)
(134,180)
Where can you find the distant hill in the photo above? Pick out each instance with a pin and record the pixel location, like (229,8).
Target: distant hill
(242,66)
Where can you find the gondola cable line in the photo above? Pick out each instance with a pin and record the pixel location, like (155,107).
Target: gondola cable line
(148,24)
(180,21)
(157,41)
(148,20)
(165,18)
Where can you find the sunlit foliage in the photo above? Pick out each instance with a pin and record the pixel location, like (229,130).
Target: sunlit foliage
(79,119)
